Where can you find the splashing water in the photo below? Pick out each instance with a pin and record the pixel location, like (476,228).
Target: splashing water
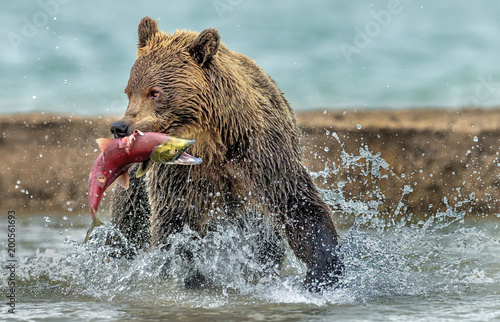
(392,259)
(388,254)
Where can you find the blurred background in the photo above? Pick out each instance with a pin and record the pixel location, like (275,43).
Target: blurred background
(63,56)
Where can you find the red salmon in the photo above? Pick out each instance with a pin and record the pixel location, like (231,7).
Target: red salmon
(118,154)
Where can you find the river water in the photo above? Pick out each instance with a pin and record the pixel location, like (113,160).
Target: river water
(64,56)
(438,266)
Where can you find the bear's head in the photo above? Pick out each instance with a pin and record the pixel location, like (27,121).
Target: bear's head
(171,83)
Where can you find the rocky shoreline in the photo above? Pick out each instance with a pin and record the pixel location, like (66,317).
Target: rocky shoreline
(447,159)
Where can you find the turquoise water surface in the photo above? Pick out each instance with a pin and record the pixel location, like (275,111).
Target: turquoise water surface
(75,56)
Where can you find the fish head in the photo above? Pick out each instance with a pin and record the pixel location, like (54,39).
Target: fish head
(172,150)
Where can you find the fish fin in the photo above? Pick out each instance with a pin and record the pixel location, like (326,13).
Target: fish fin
(87,236)
(143,168)
(123,180)
(96,222)
(103,143)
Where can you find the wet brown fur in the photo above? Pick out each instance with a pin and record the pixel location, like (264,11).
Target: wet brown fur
(245,133)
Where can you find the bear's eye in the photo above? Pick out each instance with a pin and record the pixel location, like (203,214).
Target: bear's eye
(153,94)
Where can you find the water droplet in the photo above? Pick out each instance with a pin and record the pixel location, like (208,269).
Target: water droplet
(359,126)
(47,219)
(326,149)
(33,97)
(475,139)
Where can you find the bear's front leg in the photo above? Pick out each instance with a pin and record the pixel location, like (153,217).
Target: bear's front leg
(130,211)
(180,196)
(324,266)
(312,235)
(314,240)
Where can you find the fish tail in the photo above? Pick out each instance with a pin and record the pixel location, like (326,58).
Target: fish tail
(96,222)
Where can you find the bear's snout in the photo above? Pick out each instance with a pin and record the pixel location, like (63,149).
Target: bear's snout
(119,129)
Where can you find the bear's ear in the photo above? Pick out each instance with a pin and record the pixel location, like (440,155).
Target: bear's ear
(205,46)
(147,29)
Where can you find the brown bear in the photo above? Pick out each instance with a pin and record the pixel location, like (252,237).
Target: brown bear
(190,85)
